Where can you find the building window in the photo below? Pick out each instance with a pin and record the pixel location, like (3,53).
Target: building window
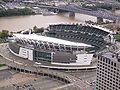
(108,61)
(111,63)
(115,64)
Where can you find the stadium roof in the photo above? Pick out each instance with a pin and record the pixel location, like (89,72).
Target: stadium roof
(101,28)
(110,55)
(50,39)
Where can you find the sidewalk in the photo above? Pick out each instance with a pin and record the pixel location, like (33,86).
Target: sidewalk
(4,68)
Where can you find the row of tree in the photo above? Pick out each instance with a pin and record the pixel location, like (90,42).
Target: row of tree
(38,30)
(4,34)
(35,29)
(16,12)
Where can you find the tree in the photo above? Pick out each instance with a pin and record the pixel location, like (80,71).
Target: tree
(35,28)
(38,30)
(16,12)
(4,34)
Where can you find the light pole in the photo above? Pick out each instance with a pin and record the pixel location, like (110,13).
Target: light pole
(36,71)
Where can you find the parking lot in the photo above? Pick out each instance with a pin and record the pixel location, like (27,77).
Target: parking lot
(20,81)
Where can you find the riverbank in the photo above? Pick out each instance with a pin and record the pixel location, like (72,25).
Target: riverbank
(16,12)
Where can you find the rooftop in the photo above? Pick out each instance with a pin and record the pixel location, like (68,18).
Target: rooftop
(110,56)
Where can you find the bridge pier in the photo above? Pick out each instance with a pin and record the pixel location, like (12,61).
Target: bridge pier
(113,11)
(71,14)
(99,20)
(117,23)
(56,11)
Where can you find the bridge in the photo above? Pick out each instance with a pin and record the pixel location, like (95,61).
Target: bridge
(74,8)
(100,14)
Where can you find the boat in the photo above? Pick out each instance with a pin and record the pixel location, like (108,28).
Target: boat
(48,13)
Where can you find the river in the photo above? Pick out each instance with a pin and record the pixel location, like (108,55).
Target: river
(17,23)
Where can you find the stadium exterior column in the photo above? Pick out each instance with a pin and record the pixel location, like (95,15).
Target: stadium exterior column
(65,47)
(53,46)
(71,14)
(77,48)
(24,67)
(59,47)
(52,53)
(70,48)
(117,23)
(48,45)
(84,49)
(99,20)
(14,64)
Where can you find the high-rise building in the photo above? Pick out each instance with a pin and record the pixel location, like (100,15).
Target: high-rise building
(108,72)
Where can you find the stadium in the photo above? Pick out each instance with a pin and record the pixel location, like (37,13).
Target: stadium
(64,44)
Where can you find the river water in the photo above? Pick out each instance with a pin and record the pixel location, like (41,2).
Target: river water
(17,23)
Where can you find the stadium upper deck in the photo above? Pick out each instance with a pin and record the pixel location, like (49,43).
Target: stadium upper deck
(89,34)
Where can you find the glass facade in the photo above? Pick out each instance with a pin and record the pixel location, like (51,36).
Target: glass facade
(37,55)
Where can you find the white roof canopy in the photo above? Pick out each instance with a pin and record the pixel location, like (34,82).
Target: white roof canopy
(50,39)
(104,29)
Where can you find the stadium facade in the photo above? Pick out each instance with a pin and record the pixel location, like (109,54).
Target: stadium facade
(62,43)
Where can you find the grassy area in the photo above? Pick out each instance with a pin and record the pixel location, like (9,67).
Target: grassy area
(117,37)
(1,65)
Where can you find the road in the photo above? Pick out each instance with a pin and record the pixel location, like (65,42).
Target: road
(24,64)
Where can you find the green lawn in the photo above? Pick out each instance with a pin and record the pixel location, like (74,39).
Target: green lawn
(1,65)
(117,37)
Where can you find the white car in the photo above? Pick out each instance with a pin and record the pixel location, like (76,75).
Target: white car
(38,63)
